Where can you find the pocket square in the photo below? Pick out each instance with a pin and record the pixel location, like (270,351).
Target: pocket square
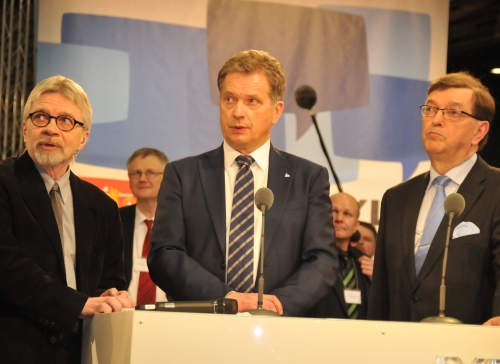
(465,228)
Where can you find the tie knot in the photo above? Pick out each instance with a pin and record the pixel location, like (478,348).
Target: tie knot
(442,180)
(149,223)
(55,187)
(244,160)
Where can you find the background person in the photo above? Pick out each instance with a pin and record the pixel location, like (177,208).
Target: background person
(367,238)
(348,298)
(145,170)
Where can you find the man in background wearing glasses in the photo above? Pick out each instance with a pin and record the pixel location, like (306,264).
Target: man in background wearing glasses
(61,247)
(409,257)
(145,171)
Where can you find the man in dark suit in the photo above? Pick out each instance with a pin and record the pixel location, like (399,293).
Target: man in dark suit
(348,299)
(191,235)
(61,262)
(455,122)
(145,171)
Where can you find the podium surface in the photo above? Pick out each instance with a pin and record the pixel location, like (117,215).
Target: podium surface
(158,337)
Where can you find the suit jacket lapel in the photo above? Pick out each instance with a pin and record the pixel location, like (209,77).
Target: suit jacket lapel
(86,225)
(471,188)
(279,181)
(411,212)
(37,200)
(211,171)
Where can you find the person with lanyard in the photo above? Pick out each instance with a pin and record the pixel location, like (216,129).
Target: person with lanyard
(348,299)
(145,170)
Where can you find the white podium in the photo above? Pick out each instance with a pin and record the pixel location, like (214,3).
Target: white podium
(140,337)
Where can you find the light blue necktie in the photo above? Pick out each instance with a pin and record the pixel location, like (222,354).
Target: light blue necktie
(434,217)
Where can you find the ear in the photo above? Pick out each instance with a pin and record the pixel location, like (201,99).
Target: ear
(278,109)
(481,130)
(84,137)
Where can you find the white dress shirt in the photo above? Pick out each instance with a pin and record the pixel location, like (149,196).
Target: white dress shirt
(457,175)
(260,170)
(139,264)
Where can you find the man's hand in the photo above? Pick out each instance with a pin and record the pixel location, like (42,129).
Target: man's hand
(495,321)
(366,264)
(248,301)
(110,301)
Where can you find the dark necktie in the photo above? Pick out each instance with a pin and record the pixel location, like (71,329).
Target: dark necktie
(147,289)
(348,273)
(55,200)
(241,230)
(432,222)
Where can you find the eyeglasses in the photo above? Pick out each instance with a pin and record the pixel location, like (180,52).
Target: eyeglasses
(138,174)
(63,122)
(448,114)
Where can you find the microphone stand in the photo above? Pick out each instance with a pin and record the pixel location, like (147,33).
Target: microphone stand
(259,311)
(441,318)
(337,181)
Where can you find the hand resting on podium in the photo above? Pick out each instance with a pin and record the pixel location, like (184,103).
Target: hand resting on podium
(248,301)
(494,321)
(111,300)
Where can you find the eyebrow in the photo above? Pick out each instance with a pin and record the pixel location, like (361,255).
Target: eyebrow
(454,104)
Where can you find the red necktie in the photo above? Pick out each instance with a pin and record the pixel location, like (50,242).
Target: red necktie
(147,289)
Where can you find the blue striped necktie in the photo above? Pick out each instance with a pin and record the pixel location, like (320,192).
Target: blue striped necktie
(241,230)
(432,222)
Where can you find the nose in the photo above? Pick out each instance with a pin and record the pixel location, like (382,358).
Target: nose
(438,118)
(238,110)
(51,127)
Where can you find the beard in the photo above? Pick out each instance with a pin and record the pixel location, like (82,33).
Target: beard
(48,158)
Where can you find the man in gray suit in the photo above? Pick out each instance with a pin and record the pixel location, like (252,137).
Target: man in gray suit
(190,256)
(456,119)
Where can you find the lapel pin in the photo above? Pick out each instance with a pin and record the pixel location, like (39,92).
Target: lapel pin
(287,175)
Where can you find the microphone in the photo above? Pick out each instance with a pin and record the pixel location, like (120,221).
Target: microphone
(264,199)
(305,96)
(355,237)
(218,306)
(454,205)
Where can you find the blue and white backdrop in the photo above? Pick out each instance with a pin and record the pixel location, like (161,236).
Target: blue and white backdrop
(150,70)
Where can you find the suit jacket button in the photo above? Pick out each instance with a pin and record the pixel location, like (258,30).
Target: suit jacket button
(223,265)
(414,298)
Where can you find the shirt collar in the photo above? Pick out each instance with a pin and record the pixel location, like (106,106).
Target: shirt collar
(260,155)
(458,173)
(63,182)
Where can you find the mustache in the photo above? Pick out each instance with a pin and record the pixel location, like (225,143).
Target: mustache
(48,141)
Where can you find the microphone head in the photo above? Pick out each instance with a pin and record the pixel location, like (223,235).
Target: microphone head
(454,203)
(305,96)
(264,197)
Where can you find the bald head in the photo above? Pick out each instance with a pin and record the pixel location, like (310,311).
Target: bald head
(345,210)
(346,200)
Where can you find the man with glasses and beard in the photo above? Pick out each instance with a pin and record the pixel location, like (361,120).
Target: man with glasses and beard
(61,247)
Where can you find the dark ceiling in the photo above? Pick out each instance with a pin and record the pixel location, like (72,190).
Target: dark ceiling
(474,45)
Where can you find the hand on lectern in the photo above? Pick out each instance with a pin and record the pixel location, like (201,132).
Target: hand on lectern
(495,321)
(248,301)
(111,300)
